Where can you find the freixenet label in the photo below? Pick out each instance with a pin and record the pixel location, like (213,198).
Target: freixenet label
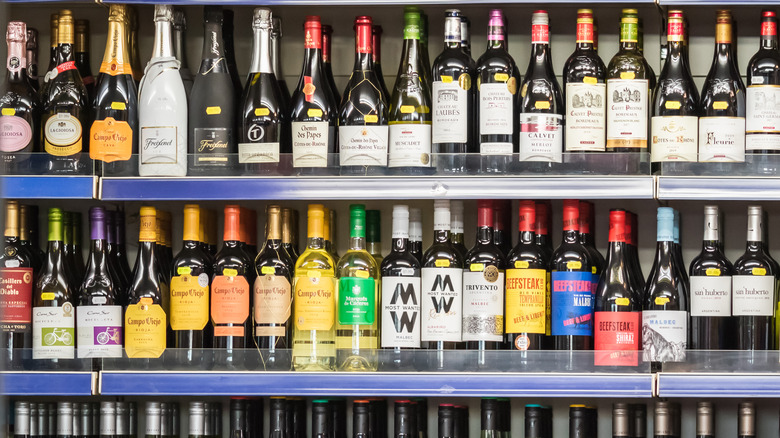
(145,329)
(15,133)
(229,304)
(442,304)
(272,304)
(356,301)
(315,303)
(110,140)
(54,332)
(99,331)
(401,312)
(618,335)
(526,300)
(189,305)
(211,146)
(159,144)
(483,305)
(16,291)
(572,304)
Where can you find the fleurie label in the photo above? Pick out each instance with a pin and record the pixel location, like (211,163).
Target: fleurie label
(450,112)
(212,146)
(753,295)
(229,304)
(496,109)
(363,145)
(54,332)
(356,301)
(586,118)
(159,144)
(189,302)
(15,133)
(617,334)
(442,304)
(710,296)
(627,111)
(99,331)
(145,330)
(526,300)
(110,140)
(674,138)
(763,118)
(722,139)
(16,287)
(310,141)
(572,308)
(664,335)
(62,135)
(410,145)
(483,305)
(541,137)
(401,312)
(314,303)
(272,304)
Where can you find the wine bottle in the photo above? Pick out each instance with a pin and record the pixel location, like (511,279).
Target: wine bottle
(327,67)
(99,314)
(263,126)
(65,107)
(746,425)
(618,306)
(162,260)
(541,103)
(502,221)
(321,419)
(314,109)
(28,235)
(179,44)
(405,420)
(328,231)
(627,91)
(490,424)
(588,239)
(763,78)
(162,105)
(212,104)
(666,300)
(442,290)
(679,263)
(415,233)
(276,36)
(622,423)
(710,276)
(424,52)
(16,269)
(456,228)
(53,31)
(637,277)
(64,420)
(722,107)
(582,422)
(287,235)
(239,427)
(453,98)
(410,105)
(108,419)
(152,414)
(447,420)
(76,263)
(675,122)
(19,106)
(374,235)
(119,251)
(536,421)
(135,56)
(31,54)
(53,313)
(497,104)
(754,289)
(584,76)
(542,228)
(465,34)
(363,130)
(82,58)
(114,132)
(145,318)
(376,54)
(230,53)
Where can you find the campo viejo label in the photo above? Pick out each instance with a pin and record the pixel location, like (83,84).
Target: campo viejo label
(145,329)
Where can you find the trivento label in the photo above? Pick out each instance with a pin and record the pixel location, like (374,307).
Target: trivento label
(496,109)
(450,112)
(541,137)
(15,133)
(62,135)
(586,118)
(229,304)
(753,295)
(526,300)
(159,144)
(710,296)
(617,335)
(627,112)
(410,145)
(54,332)
(110,140)
(258,152)
(16,291)
(356,303)
(189,306)
(571,304)
(272,304)
(496,148)
(364,145)
(145,329)
(310,141)
(722,139)
(442,304)
(314,303)
(401,312)
(99,331)
(664,335)
(674,138)
(483,305)
(762,124)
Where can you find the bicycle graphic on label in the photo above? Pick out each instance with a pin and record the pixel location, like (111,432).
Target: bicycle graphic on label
(108,335)
(58,336)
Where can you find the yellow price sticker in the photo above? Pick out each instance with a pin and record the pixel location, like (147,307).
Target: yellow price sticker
(183,270)
(313,273)
(660,301)
(501,77)
(407,109)
(590,80)
(371,118)
(314,112)
(213,110)
(47,296)
(574,265)
(361,274)
(759,271)
(230,272)
(713,272)
(521,264)
(442,263)
(627,75)
(622,301)
(119,106)
(262,112)
(542,104)
(592,269)
(720,105)
(477,267)
(268,270)
(8,111)
(446,79)
(673,104)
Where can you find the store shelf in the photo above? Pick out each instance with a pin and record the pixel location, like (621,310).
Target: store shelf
(718,188)
(719,385)
(365,2)
(717,2)
(48,187)
(39,383)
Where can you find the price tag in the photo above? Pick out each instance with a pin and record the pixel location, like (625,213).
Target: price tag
(501,77)
(8,111)
(442,263)
(720,105)
(713,272)
(184,270)
(314,112)
(407,109)
(213,110)
(627,75)
(622,301)
(574,265)
(660,301)
(521,264)
(477,267)
(446,79)
(590,80)
(371,118)
(673,104)
(119,106)
(592,269)
(542,104)
(230,272)
(759,271)
(268,270)
(262,112)
(47,296)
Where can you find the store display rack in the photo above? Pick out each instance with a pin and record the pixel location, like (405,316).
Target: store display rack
(44,383)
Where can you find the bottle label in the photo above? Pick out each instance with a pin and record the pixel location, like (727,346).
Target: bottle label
(16,299)
(261,139)
(541,137)
(617,333)
(627,113)
(450,110)
(540,34)
(753,295)
(272,304)
(763,118)
(674,138)
(99,331)
(586,120)
(363,145)
(710,296)
(572,304)
(526,300)
(722,139)
(15,133)
(54,332)
(229,304)
(483,305)
(496,109)
(145,329)
(356,301)
(62,135)
(491,148)
(442,304)
(211,146)
(664,335)
(410,145)
(116,67)
(310,141)
(110,140)
(314,304)
(159,145)
(401,312)
(258,152)
(189,306)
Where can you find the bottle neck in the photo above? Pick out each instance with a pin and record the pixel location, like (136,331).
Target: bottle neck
(179,48)
(16,62)
(275,63)
(400,244)
(485,235)
(357,243)
(571,236)
(97,254)
(526,237)
(769,34)
(364,60)
(213,47)
(374,247)
(496,38)
(261,55)
(316,242)
(584,34)
(116,47)
(452,33)
(163,42)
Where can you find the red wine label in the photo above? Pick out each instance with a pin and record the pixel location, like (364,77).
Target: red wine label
(62,135)
(16,299)
(526,300)
(496,109)
(229,304)
(711,295)
(442,304)
(617,334)
(769,28)
(99,331)
(65,66)
(483,304)
(572,303)
(674,138)
(15,132)
(189,306)
(762,124)
(111,140)
(722,139)
(664,335)
(54,332)
(145,329)
(311,142)
(540,34)
(753,295)
(272,304)
(363,145)
(450,109)
(401,311)
(541,137)
(585,30)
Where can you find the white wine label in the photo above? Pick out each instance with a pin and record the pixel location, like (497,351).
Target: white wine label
(62,135)
(401,315)
(586,118)
(541,137)
(710,296)
(763,118)
(159,145)
(674,138)
(54,332)
(363,145)
(627,113)
(483,305)
(450,113)
(310,141)
(442,304)
(496,109)
(496,148)
(99,331)
(722,139)
(410,145)
(753,295)
(664,335)
(258,152)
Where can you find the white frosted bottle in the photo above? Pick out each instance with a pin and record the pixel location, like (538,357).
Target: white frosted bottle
(162,106)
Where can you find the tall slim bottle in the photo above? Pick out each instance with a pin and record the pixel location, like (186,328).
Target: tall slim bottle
(230,53)
(28,234)
(588,239)
(135,55)
(327,67)
(32,58)
(415,233)
(82,58)
(457,228)
(289,232)
(53,31)
(16,270)
(121,250)
(763,79)
(374,234)
(376,53)
(276,36)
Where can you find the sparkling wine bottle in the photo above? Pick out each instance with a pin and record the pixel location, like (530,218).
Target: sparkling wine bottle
(276,63)
(82,58)
(19,106)
(180,47)
(32,58)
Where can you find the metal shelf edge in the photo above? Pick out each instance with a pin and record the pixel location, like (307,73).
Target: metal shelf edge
(693,385)
(34,383)
(714,188)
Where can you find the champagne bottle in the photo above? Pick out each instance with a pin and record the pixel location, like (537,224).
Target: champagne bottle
(82,58)
(53,32)
(179,44)
(162,106)
(19,106)
(327,67)
(763,78)
(376,53)
(276,36)
(135,55)
(32,58)
(16,269)
(230,53)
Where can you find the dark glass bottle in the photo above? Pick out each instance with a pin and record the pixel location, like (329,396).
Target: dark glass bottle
(542,228)
(288,231)
(279,411)
(53,31)
(180,48)
(135,53)
(587,238)
(32,58)
(456,228)
(28,235)
(120,252)
(632,232)
(117,274)
(763,79)
(321,419)
(73,244)
(361,421)
(239,427)
(376,53)
(82,58)
(490,416)
(405,420)
(415,233)
(582,421)
(446,421)
(276,36)
(374,234)
(230,53)
(327,67)
(536,419)
(502,222)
